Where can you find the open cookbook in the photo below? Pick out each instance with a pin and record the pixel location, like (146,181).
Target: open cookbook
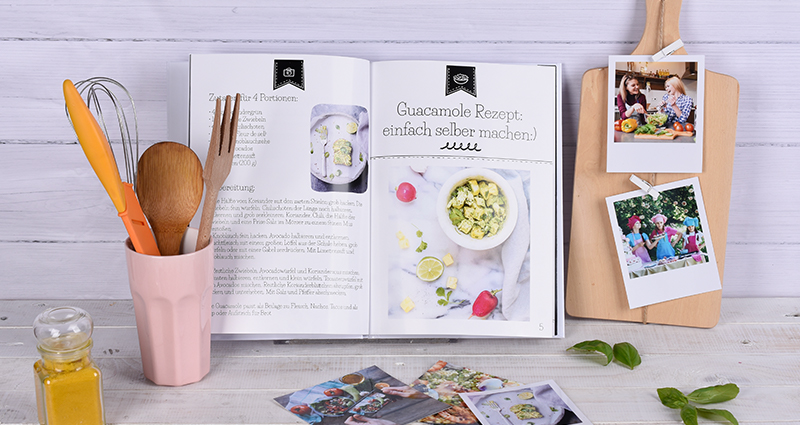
(385,199)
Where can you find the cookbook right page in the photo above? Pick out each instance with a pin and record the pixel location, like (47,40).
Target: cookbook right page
(466,235)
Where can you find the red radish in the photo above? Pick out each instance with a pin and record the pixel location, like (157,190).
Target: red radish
(406,192)
(485,303)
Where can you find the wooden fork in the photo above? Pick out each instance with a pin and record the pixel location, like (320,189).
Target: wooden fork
(218,164)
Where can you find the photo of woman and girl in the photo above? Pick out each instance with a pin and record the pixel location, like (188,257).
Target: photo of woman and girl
(655,110)
(675,103)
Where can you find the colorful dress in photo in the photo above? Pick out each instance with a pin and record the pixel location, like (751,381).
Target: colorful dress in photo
(692,241)
(641,252)
(664,249)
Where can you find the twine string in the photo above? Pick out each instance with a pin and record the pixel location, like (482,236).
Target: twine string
(661,24)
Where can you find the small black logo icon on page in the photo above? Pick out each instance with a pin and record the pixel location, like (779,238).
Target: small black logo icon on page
(460,78)
(288,71)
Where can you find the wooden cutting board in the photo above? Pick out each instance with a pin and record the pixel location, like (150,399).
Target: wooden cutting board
(595,287)
(683,133)
(672,134)
(668,136)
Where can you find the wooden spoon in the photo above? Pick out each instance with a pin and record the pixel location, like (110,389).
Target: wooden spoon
(170,188)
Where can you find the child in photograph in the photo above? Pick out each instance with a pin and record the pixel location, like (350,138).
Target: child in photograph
(676,104)
(631,102)
(638,240)
(663,235)
(692,239)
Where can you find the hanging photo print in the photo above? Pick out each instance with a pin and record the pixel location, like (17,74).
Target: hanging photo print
(655,114)
(663,245)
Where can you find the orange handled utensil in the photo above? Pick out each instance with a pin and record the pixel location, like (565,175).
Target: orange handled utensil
(101,157)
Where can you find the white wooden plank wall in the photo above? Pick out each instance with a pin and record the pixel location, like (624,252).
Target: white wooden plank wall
(59,234)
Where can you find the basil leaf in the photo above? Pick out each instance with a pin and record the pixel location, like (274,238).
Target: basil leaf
(713,414)
(672,398)
(715,394)
(594,346)
(689,414)
(626,354)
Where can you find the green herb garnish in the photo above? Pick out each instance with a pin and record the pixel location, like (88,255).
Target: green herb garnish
(445,294)
(627,354)
(594,346)
(623,352)
(674,399)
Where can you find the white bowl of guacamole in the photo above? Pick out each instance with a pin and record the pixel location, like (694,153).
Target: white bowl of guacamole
(477,208)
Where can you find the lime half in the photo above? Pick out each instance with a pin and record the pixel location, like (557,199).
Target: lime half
(430,269)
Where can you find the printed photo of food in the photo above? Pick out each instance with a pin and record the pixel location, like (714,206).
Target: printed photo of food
(357,396)
(445,381)
(542,403)
(462,238)
(339,148)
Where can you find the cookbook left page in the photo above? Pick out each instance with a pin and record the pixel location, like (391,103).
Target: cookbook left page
(291,230)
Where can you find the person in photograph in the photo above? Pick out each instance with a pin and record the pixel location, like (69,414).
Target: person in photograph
(638,240)
(675,103)
(692,239)
(664,237)
(631,102)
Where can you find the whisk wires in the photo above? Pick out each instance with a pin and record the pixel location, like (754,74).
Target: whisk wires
(107,86)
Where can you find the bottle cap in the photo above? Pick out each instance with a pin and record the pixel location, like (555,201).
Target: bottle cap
(62,329)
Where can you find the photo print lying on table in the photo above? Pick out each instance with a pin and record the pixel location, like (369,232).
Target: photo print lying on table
(354,397)
(446,381)
(663,245)
(463,238)
(542,403)
(339,148)
(655,114)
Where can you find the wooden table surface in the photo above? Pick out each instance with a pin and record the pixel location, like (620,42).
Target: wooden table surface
(755,345)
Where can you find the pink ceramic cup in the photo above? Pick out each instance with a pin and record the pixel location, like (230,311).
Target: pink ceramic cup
(172,303)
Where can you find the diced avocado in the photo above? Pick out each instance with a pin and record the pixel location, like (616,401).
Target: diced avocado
(465,226)
(476,232)
(473,185)
(456,216)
